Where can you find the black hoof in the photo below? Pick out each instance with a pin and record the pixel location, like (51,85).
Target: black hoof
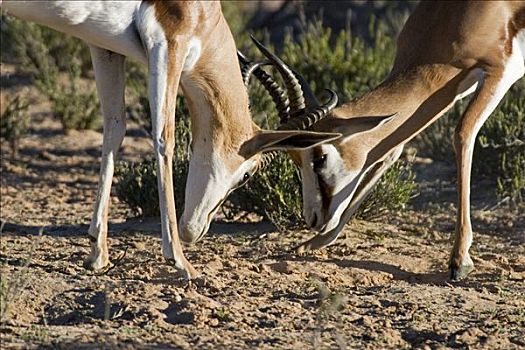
(460,272)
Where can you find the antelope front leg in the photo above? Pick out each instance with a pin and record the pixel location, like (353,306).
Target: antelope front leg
(164,79)
(496,84)
(109,75)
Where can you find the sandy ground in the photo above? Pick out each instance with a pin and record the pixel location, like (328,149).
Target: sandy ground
(382,285)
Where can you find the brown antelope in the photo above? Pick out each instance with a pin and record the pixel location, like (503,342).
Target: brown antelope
(186,42)
(446,51)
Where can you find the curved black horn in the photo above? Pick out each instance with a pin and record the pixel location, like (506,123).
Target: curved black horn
(278,95)
(301,117)
(293,88)
(317,113)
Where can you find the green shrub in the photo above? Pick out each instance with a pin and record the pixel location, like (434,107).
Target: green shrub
(14,123)
(43,53)
(137,96)
(343,62)
(392,192)
(21,40)
(76,109)
(137,186)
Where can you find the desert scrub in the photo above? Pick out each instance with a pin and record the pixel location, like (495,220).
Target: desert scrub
(500,146)
(137,186)
(137,96)
(76,107)
(342,62)
(392,192)
(14,122)
(21,38)
(44,53)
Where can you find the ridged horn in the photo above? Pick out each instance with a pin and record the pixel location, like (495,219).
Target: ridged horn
(265,160)
(309,96)
(293,87)
(303,122)
(278,95)
(301,118)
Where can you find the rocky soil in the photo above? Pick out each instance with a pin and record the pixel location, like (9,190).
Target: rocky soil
(382,285)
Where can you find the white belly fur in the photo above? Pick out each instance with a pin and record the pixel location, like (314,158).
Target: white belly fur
(107,24)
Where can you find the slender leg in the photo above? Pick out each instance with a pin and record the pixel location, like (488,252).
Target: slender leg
(164,79)
(497,82)
(322,240)
(109,74)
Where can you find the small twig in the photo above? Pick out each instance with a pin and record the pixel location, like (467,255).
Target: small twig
(492,144)
(503,201)
(116,263)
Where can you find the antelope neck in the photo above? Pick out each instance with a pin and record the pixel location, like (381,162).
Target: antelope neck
(417,98)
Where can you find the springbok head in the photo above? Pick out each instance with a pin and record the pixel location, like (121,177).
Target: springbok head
(334,175)
(227,155)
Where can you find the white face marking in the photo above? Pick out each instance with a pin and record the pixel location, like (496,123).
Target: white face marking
(209,183)
(333,174)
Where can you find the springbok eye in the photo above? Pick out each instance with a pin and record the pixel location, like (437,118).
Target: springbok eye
(319,162)
(246,177)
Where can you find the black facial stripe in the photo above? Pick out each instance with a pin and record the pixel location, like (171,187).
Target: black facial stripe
(326,195)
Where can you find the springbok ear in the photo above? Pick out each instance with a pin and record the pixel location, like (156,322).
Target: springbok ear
(351,126)
(268,140)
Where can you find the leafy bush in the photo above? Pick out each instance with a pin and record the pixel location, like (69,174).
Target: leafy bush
(44,53)
(21,40)
(137,186)
(14,122)
(76,110)
(392,192)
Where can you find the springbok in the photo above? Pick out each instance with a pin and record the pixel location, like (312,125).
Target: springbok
(186,42)
(446,51)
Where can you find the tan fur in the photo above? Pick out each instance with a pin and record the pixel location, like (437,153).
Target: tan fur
(222,89)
